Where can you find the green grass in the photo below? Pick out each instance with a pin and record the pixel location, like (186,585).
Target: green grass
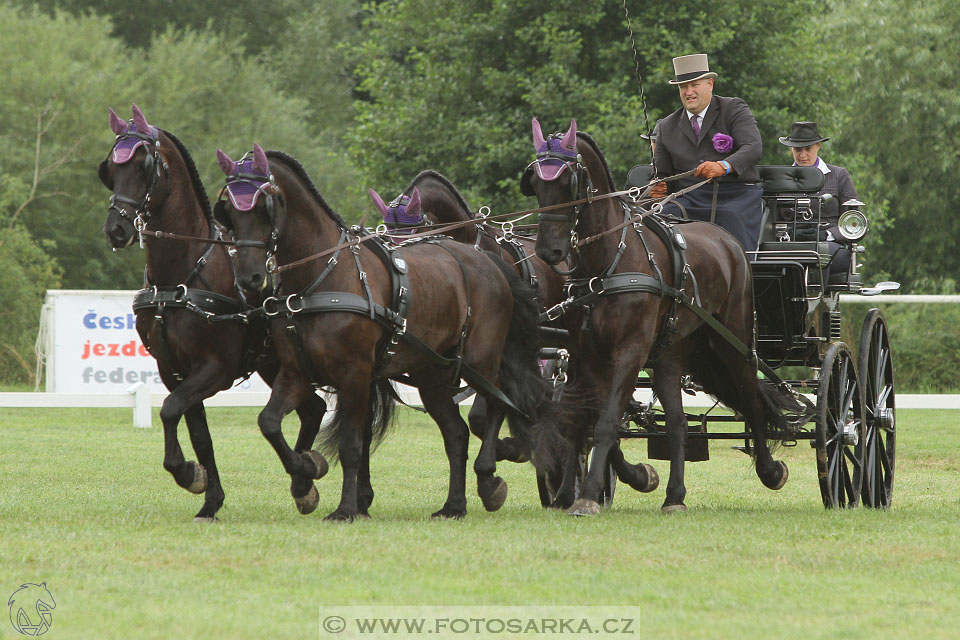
(87,507)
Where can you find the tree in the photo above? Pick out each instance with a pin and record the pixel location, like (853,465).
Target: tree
(53,115)
(455,89)
(902,121)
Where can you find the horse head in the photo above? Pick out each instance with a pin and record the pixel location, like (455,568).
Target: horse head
(404,213)
(556,176)
(252,207)
(135,171)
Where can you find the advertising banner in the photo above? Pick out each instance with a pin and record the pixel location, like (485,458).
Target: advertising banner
(92,345)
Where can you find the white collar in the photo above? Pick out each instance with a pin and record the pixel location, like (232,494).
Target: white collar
(701,115)
(824,169)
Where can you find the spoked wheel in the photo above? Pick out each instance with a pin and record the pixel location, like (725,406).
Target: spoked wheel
(880,434)
(840,429)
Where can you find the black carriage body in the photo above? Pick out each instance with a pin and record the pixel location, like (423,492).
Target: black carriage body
(797,307)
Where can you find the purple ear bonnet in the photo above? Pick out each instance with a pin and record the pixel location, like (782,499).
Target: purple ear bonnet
(128,142)
(398,220)
(550,168)
(246,184)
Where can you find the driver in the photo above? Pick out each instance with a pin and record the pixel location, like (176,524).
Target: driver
(719,138)
(804,141)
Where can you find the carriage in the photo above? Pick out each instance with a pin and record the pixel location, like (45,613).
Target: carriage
(798,319)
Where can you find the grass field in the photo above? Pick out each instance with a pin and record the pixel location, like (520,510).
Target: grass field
(87,508)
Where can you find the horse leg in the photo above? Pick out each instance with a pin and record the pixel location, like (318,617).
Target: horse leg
(303,467)
(310,412)
(666,383)
(491,488)
(355,409)
(456,436)
(605,436)
(364,488)
(196,419)
(202,476)
(480,415)
(642,477)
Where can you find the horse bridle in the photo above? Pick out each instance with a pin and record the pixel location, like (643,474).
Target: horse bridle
(153,163)
(268,187)
(580,187)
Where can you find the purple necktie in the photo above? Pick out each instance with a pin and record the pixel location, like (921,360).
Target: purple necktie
(695,125)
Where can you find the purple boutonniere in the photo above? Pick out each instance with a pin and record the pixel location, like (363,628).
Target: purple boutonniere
(722,143)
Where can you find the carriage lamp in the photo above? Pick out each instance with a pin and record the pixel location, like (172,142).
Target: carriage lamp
(852,224)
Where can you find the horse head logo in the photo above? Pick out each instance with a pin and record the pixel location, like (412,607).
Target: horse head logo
(30,608)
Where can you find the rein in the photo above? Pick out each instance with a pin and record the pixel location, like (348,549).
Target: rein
(634,192)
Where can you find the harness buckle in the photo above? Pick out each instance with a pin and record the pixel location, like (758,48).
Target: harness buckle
(590,285)
(177,297)
(271,265)
(267,312)
(291,309)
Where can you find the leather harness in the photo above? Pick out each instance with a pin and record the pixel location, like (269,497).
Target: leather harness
(393,318)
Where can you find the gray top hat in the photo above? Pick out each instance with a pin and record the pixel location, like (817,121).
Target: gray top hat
(803,134)
(690,68)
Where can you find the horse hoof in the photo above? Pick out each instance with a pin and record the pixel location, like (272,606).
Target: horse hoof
(783,477)
(653,479)
(449,514)
(495,499)
(205,520)
(584,507)
(339,516)
(199,483)
(308,503)
(667,509)
(318,461)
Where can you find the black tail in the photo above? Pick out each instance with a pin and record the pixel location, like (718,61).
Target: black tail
(520,378)
(782,413)
(379,419)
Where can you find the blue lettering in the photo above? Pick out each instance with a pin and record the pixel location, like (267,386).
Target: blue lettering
(89,320)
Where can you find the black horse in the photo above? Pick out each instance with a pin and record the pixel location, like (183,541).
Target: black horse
(428,314)
(190,289)
(620,270)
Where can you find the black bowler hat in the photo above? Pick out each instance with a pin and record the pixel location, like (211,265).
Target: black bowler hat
(803,134)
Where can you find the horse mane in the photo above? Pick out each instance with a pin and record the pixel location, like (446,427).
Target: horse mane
(194,176)
(593,145)
(294,165)
(430,173)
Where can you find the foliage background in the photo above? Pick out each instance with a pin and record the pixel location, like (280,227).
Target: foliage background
(367,94)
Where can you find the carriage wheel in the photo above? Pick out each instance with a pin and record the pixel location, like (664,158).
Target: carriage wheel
(840,429)
(876,374)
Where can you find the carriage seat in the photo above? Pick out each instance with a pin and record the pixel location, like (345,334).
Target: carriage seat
(640,175)
(781,183)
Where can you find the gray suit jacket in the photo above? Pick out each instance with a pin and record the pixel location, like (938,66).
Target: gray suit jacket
(838,184)
(678,151)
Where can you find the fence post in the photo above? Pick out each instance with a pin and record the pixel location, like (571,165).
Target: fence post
(142,412)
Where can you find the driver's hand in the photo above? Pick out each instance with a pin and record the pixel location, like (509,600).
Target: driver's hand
(710,170)
(659,190)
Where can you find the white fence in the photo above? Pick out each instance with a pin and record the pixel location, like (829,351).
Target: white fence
(141,399)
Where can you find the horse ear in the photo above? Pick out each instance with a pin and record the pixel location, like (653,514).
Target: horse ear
(139,121)
(537,136)
(228,166)
(570,137)
(104,174)
(260,164)
(117,124)
(378,201)
(414,205)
